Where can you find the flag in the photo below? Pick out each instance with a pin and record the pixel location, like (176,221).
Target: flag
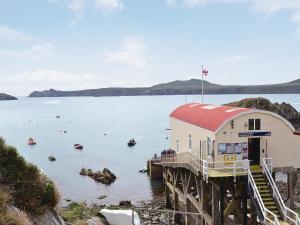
(205,72)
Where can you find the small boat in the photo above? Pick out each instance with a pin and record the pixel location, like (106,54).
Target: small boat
(78,146)
(144,170)
(51,158)
(131,142)
(58,116)
(31,141)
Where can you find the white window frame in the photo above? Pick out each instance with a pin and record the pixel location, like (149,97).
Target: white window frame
(254,122)
(190,142)
(177,145)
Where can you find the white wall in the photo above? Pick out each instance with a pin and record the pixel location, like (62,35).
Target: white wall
(181,130)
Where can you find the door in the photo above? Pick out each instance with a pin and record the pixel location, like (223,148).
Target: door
(254,151)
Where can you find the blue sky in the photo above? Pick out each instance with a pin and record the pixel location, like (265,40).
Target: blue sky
(78,44)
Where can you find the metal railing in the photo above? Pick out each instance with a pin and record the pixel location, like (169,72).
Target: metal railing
(166,217)
(288,215)
(268,216)
(207,168)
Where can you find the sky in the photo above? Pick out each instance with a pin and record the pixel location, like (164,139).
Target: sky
(81,44)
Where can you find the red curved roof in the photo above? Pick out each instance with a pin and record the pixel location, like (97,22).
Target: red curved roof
(209,117)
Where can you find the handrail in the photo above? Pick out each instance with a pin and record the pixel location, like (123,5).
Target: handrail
(275,190)
(206,168)
(259,200)
(288,214)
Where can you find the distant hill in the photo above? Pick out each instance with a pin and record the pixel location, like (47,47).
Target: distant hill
(6,97)
(186,87)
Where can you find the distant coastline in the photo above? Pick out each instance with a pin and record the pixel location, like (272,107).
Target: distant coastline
(186,87)
(6,97)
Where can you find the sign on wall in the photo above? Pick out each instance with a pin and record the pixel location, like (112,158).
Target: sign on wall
(255,134)
(232,148)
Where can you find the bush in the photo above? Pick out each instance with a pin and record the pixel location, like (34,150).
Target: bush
(32,190)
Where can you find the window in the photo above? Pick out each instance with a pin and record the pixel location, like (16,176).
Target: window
(208,146)
(257,124)
(254,124)
(251,124)
(190,142)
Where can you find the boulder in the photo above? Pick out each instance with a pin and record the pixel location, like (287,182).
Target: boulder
(104,177)
(125,203)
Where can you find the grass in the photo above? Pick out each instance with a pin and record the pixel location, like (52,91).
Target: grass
(78,213)
(9,217)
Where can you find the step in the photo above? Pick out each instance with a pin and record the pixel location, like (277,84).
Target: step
(261,183)
(272,207)
(267,199)
(270,203)
(262,186)
(264,191)
(258,175)
(258,179)
(266,195)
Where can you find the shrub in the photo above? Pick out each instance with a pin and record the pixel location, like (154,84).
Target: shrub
(32,190)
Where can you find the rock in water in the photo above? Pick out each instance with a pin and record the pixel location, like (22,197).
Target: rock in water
(104,177)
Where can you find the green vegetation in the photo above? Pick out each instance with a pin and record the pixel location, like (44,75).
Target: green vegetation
(78,213)
(9,217)
(31,190)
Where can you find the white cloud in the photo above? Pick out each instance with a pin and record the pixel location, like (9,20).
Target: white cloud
(36,52)
(79,7)
(24,83)
(9,34)
(131,53)
(192,3)
(55,76)
(236,58)
(109,5)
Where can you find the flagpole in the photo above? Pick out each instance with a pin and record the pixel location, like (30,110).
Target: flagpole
(202,85)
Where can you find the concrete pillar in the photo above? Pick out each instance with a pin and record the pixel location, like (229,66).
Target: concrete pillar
(215,206)
(245,196)
(176,208)
(291,194)
(168,200)
(204,198)
(222,193)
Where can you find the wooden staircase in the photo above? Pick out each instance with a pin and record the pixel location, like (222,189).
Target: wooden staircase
(266,193)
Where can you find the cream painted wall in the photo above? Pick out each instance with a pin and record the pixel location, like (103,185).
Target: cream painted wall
(283,146)
(181,130)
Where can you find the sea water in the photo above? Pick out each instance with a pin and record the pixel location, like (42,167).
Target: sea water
(86,121)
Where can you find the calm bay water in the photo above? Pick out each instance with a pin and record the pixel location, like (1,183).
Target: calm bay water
(86,119)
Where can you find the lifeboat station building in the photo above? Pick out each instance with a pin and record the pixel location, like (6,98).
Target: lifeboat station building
(222,133)
(222,166)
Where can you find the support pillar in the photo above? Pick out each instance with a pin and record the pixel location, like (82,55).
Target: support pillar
(204,189)
(291,194)
(222,202)
(168,200)
(176,208)
(215,205)
(245,196)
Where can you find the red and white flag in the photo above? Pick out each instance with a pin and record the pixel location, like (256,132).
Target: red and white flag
(204,71)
